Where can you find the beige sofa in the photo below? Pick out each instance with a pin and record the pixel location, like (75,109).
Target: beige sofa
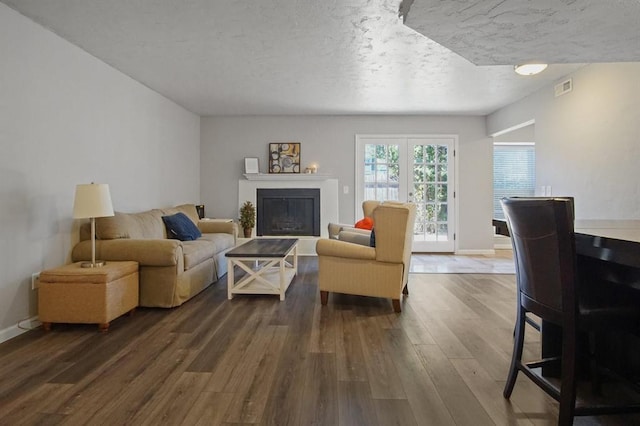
(171,271)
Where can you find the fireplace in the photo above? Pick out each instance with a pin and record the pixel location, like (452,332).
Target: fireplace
(288,211)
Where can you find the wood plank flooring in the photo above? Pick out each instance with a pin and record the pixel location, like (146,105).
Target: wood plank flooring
(256,360)
(443,263)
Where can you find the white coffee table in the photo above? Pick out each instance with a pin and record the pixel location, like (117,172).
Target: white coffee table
(270,265)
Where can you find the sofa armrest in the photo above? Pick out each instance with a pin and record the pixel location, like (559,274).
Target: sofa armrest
(336,248)
(215,227)
(147,252)
(362,238)
(360,231)
(336,228)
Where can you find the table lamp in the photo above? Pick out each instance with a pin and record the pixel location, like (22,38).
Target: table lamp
(91,201)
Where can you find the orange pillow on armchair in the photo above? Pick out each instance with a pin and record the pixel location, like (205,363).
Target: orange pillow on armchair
(366,223)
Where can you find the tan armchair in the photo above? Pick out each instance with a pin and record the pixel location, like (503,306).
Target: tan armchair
(380,271)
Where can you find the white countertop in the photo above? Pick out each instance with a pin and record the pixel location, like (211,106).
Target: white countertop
(620,229)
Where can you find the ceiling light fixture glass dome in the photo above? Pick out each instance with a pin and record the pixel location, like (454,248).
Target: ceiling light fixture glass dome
(530,69)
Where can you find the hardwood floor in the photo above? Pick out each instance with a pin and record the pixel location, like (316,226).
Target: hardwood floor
(256,360)
(434,263)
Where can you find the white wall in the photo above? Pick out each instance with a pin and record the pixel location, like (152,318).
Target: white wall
(522,134)
(67,118)
(587,141)
(330,142)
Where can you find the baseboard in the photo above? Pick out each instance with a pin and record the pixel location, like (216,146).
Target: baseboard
(502,246)
(487,252)
(22,327)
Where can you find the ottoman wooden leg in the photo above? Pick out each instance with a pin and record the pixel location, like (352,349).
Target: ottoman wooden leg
(46,326)
(103,327)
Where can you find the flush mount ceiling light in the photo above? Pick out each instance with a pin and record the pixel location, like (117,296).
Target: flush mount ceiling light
(530,69)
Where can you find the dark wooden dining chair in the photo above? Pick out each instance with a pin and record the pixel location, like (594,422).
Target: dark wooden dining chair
(532,322)
(542,236)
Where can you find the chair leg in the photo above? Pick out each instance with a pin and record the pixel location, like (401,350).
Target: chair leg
(593,364)
(324,297)
(516,356)
(568,378)
(405,290)
(396,305)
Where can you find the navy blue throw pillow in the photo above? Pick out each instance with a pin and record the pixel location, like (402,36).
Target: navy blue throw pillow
(180,227)
(372,239)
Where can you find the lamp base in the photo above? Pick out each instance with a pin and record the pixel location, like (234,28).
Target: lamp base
(97,264)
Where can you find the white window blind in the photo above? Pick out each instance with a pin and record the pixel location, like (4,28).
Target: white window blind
(514,172)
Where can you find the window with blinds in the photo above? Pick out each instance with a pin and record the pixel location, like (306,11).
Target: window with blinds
(514,172)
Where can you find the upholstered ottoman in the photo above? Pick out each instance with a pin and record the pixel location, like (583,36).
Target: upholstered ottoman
(72,294)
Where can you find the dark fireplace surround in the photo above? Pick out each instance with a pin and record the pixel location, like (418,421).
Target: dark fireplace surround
(288,212)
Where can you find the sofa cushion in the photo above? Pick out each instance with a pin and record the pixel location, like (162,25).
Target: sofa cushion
(131,225)
(188,209)
(179,226)
(195,252)
(147,225)
(113,227)
(220,242)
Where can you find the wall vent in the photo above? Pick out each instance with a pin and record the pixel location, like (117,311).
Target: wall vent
(563,88)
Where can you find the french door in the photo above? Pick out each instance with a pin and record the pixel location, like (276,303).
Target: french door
(415,168)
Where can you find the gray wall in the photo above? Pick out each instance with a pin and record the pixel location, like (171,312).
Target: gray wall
(330,142)
(67,118)
(588,140)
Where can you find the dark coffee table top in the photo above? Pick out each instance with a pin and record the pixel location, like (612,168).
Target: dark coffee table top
(264,247)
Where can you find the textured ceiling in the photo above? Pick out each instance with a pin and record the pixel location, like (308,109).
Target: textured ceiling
(229,57)
(499,32)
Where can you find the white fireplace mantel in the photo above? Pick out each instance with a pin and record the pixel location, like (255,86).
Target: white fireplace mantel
(247,190)
(286,177)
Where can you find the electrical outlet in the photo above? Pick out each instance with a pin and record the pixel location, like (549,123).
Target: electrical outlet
(35,280)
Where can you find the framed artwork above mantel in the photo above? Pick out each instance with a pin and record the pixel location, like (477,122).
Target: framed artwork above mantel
(284,157)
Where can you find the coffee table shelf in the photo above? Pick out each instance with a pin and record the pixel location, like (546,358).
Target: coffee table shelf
(269,264)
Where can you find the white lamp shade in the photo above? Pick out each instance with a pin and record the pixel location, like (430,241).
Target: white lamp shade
(92,200)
